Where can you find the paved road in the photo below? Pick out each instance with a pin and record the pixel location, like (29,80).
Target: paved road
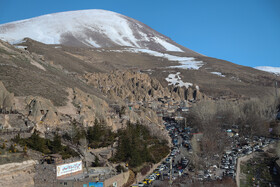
(183,152)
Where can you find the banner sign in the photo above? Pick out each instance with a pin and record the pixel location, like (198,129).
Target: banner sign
(96,184)
(69,168)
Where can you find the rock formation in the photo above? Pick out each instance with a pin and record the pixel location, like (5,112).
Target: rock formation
(18,174)
(6,98)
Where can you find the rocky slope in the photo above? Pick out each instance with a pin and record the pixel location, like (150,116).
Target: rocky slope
(18,173)
(214,77)
(130,86)
(54,85)
(6,98)
(47,95)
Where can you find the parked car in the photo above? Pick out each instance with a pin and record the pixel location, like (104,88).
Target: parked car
(147,181)
(162,167)
(168,160)
(200,177)
(278,116)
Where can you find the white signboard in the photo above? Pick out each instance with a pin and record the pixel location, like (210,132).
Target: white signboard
(68,168)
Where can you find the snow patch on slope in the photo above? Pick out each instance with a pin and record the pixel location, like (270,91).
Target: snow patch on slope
(275,70)
(189,64)
(20,47)
(93,43)
(175,79)
(218,73)
(186,62)
(166,45)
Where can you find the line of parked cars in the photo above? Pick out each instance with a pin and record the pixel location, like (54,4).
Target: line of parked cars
(239,147)
(250,145)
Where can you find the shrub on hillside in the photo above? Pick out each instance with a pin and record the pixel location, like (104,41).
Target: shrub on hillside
(46,146)
(100,135)
(136,146)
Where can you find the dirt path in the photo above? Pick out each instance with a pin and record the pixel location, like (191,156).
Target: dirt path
(244,159)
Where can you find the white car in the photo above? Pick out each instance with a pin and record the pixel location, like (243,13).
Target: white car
(161,168)
(152,177)
(215,166)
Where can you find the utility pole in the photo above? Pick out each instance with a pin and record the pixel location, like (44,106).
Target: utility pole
(170,178)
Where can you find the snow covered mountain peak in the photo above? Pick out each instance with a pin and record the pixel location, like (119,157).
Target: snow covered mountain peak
(88,28)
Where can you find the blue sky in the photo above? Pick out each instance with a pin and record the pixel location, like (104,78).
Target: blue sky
(245,32)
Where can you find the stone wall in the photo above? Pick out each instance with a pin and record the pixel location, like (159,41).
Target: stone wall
(45,175)
(120,179)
